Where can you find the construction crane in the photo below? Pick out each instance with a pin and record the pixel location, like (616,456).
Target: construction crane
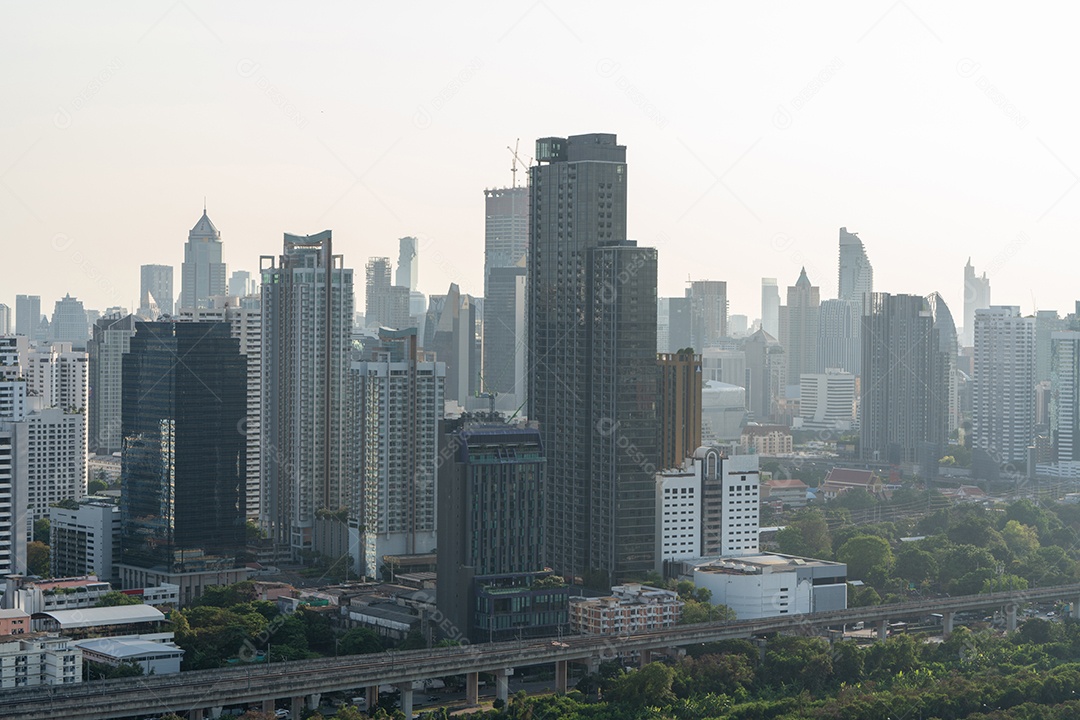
(516,161)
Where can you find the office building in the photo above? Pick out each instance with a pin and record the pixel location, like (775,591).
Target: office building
(450,332)
(908,385)
(1047,322)
(673,327)
(771,585)
(85,540)
(7,327)
(491,551)
(14,496)
(399,398)
(799,325)
(307,426)
(770,306)
(245,324)
(708,313)
(738,325)
(723,412)
(69,323)
(386,305)
(1065,403)
(827,402)
(839,336)
(976,297)
(592,356)
(1003,393)
(678,407)
(202,276)
(856,277)
(28,316)
(111,340)
(408,268)
(506,246)
(156,296)
(766,375)
(242,284)
(182,494)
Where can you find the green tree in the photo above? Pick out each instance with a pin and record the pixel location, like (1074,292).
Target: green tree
(1004,582)
(867,557)
(806,535)
(648,687)
(96,486)
(117,598)
(360,641)
(1022,540)
(41,530)
(915,565)
(37,558)
(804,663)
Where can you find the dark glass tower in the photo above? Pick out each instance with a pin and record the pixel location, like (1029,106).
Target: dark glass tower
(592,360)
(184,397)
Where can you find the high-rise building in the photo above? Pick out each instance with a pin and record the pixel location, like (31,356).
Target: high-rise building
(450,332)
(28,316)
(386,305)
(839,336)
(908,385)
(307,312)
(1003,393)
(592,356)
(398,393)
(202,275)
(1047,322)
(408,264)
(245,324)
(766,375)
(491,549)
(69,323)
(708,312)
(673,327)
(678,407)
(182,495)
(827,401)
(85,540)
(156,296)
(242,284)
(976,297)
(111,340)
(799,327)
(738,325)
(6,326)
(856,282)
(1065,401)
(57,376)
(56,458)
(506,246)
(770,306)
(14,485)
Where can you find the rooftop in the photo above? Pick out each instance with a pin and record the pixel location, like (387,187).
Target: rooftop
(92,617)
(128,648)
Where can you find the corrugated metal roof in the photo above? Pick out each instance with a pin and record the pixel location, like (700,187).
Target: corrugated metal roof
(91,617)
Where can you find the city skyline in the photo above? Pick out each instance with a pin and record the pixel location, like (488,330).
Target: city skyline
(701,191)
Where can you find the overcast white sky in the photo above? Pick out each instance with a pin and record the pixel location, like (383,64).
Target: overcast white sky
(753,132)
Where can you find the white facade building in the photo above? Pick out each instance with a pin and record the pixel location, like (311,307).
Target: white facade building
(759,586)
(826,401)
(85,541)
(1003,384)
(1064,405)
(678,515)
(14,488)
(157,658)
(56,457)
(399,395)
(38,659)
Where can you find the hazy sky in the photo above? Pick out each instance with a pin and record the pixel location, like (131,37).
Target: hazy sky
(753,132)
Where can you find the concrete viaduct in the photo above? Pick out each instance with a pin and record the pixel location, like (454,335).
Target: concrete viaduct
(196,694)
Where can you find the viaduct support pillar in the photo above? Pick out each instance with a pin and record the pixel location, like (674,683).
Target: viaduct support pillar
(1076,608)
(268,706)
(195,714)
(502,684)
(472,689)
(946,623)
(1010,617)
(560,677)
(296,706)
(646,657)
(372,695)
(406,698)
(882,629)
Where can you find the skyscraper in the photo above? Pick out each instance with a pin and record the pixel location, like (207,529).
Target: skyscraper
(839,336)
(673,327)
(307,310)
(856,281)
(203,273)
(765,374)
(6,327)
(156,291)
(592,356)
(1065,401)
(708,312)
(242,284)
(398,394)
(491,549)
(450,332)
(1047,322)
(799,327)
(182,499)
(976,296)
(386,305)
(770,307)
(28,316)
(69,323)
(111,340)
(678,407)
(506,245)
(908,379)
(408,267)
(1003,393)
